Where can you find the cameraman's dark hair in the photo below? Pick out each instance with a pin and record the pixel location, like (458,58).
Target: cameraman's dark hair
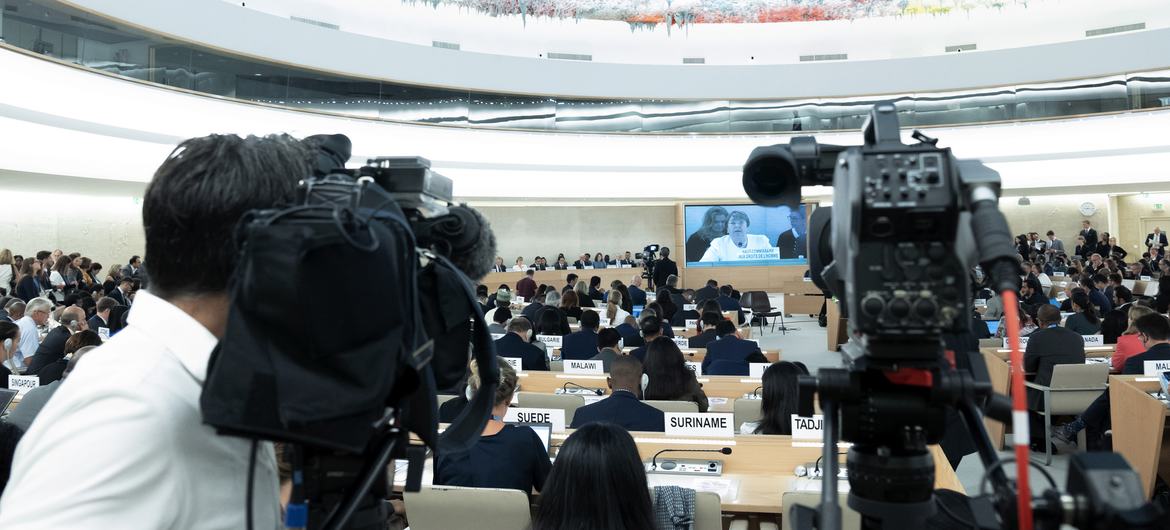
(608,338)
(136,258)
(1114,277)
(595,281)
(590,320)
(571,278)
(780,398)
(712,283)
(1099,278)
(1154,326)
(197,197)
(481,290)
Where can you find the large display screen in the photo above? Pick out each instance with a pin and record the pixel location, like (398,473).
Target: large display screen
(745,234)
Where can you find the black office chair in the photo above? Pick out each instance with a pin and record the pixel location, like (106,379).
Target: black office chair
(762,307)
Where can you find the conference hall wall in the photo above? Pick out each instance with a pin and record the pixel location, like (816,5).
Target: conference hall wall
(1137,215)
(1059,213)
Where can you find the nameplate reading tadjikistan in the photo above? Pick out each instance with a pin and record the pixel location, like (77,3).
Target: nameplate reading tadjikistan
(700,424)
(695,367)
(23,383)
(1151,368)
(529,415)
(806,428)
(756,370)
(552,341)
(585,367)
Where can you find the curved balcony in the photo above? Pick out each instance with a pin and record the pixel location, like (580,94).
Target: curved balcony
(56,30)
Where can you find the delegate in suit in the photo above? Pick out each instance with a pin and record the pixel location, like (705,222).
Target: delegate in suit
(1047,347)
(732,349)
(624,406)
(516,344)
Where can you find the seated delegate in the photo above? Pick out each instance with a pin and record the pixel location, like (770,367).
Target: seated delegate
(732,353)
(669,377)
(623,406)
(517,343)
(582,345)
(506,456)
(780,400)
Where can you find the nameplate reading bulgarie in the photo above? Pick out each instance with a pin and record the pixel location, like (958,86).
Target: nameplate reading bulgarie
(756,370)
(1151,368)
(515,362)
(695,367)
(526,415)
(1093,340)
(700,424)
(23,383)
(103,333)
(806,428)
(585,367)
(552,341)
(681,342)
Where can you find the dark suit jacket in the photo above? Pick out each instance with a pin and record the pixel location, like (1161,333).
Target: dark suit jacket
(581,265)
(637,296)
(702,340)
(1049,347)
(560,266)
(1160,240)
(530,310)
(1090,236)
(1136,365)
(663,268)
(500,268)
(728,303)
(621,408)
(706,293)
(52,371)
(730,348)
(96,322)
(579,346)
(639,353)
(28,288)
(792,247)
(531,358)
(51,349)
(630,336)
(726,367)
(117,295)
(681,317)
(596,295)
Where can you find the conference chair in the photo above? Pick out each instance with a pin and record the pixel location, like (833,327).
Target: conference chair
(447,507)
(566,402)
(673,406)
(708,511)
(746,410)
(1073,388)
(443,398)
(850,519)
(762,308)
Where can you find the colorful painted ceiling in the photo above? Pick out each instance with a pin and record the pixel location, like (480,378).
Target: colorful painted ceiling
(681,12)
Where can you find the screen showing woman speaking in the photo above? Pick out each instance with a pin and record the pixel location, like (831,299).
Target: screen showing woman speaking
(745,234)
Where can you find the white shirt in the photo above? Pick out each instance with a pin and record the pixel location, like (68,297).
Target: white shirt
(123,445)
(723,249)
(55,279)
(6,277)
(30,340)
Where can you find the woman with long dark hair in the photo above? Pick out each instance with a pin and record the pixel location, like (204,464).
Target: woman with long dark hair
(780,400)
(598,482)
(1085,321)
(656,309)
(669,377)
(571,305)
(668,307)
(714,227)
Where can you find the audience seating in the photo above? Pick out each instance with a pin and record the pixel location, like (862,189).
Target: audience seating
(447,507)
(746,410)
(850,519)
(761,307)
(673,406)
(708,511)
(566,402)
(443,398)
(1073,389)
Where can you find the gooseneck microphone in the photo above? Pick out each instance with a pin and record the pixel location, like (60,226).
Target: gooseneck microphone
(565,388)
(654,460)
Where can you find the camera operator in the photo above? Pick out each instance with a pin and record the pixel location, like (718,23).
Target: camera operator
(664,267)
(123,445)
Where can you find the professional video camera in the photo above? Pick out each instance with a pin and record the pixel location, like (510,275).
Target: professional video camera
(648,257)
(349,308)
(908,224)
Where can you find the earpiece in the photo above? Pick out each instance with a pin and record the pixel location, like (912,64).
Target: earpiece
(645,383)
(467,393)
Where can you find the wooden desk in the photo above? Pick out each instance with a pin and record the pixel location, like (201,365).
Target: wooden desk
(1000,372)
(721,390)
(557,278)
(1139,427)
(1092,352)
(838,331)
(755,476)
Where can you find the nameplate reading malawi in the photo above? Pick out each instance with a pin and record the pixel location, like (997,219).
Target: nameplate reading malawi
(700,424)
(1151,368)
(585,367)
(527,415)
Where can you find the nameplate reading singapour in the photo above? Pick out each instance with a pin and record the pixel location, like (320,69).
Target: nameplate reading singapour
(700,424)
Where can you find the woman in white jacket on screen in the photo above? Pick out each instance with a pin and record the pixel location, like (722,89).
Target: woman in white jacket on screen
(728,247)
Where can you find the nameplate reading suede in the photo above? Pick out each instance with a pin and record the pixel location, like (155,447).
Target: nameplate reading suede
(515,362)
(695,367)
(806,428)
(552,341)
(1151,368)
(681,342)
(700,424)
(23,383)
(756,370)
(528,415)
(1094,340)
(585,367)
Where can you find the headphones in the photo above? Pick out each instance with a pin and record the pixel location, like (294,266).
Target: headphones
(645,383)
(468,393)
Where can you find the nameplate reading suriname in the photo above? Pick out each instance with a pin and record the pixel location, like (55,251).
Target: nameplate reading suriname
(700,424)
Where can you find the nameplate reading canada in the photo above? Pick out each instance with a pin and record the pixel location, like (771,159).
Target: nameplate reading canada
(585,367)
(526,415)
(700,424)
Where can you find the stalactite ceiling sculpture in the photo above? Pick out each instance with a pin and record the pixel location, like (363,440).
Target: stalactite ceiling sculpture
(651,13)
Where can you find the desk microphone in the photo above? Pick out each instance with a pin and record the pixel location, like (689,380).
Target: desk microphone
(756,392)
(654,460)
(565,388)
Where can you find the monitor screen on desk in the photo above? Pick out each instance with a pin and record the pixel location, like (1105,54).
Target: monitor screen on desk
(638,310)
(543,430)
(992,326)
(745,235)
(6,397)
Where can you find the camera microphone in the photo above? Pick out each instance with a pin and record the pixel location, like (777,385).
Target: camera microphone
(654,460)
(565,388)
(464,236)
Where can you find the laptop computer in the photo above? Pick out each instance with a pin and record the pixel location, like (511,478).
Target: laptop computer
(6,397)
(543,430)
(638,310)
